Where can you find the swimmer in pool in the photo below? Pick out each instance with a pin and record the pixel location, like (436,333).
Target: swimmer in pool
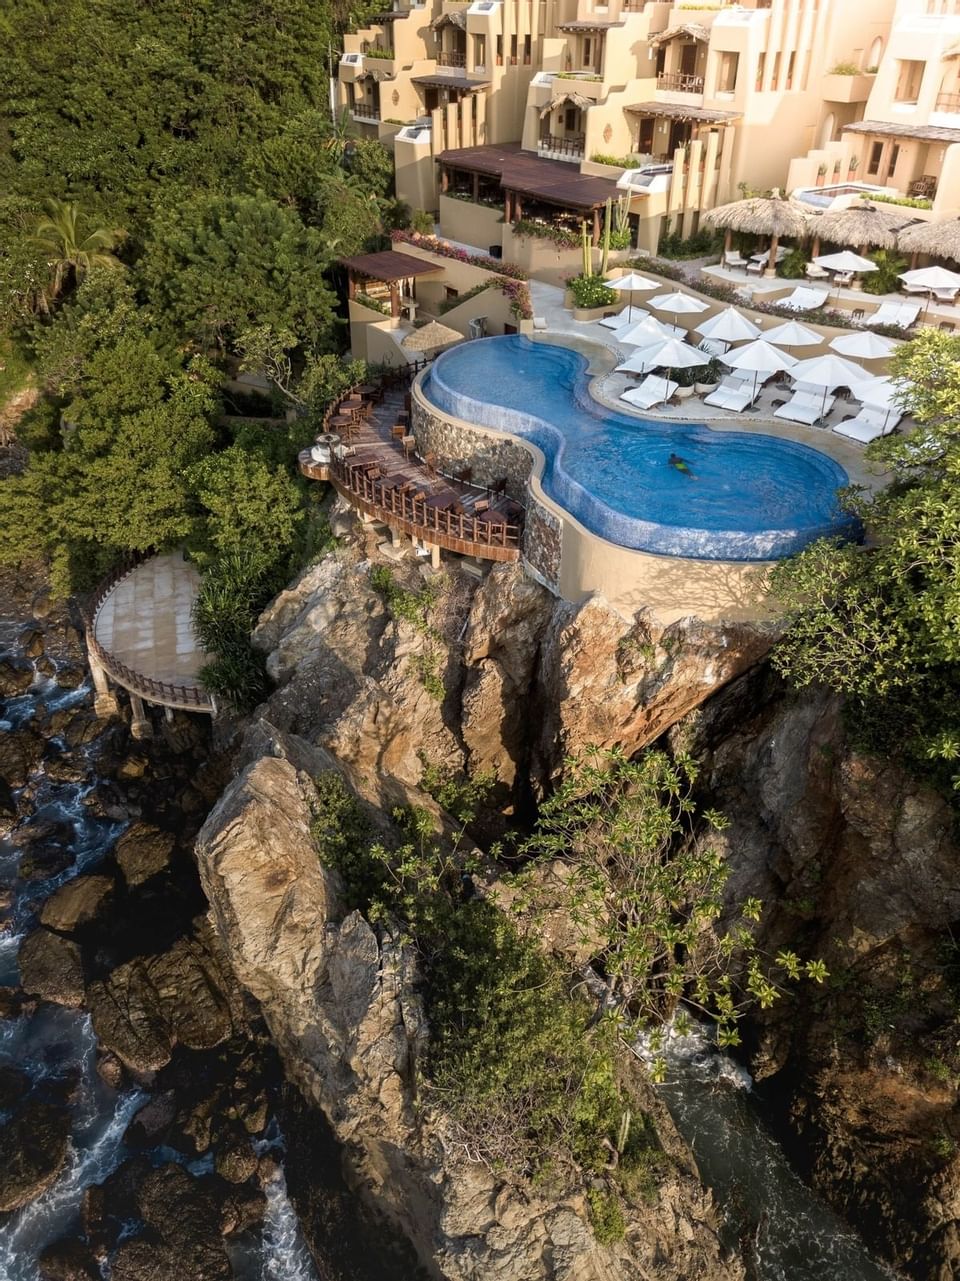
(680,464)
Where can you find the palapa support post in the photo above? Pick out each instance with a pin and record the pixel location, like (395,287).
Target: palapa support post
(105,705)
(140,726)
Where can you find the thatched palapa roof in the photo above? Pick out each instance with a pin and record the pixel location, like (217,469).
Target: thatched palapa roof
(431,335)
(684,30)
(861,224)
(565,100)
(939,239)
(458,19)
(761,216)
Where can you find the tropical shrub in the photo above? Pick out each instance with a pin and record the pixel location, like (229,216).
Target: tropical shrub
(590,291)
(885,279)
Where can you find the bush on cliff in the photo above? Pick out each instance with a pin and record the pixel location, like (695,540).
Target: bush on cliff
(881,625)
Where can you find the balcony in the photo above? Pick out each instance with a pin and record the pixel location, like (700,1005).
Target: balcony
(365,111)
(679,82)
(839,88)
(554,147)
(450,58)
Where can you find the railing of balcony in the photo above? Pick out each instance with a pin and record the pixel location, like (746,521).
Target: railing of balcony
(679,82)
(569,146)
(948,102)
(366,110)
(450,58)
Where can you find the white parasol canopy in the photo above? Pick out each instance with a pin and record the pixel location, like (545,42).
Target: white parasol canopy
(643,332)
(828,372)
(847,260)
(728,325)
(678,303)
(865,345)
(878,393)
(758,358)
(669,353)
(792,334)
(631,284)
(931,278)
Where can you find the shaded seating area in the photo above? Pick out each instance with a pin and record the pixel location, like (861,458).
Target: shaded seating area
(804,299)
(806,406)
(387,278)
(869,424)
(736,393)
(654,390)
(903,314)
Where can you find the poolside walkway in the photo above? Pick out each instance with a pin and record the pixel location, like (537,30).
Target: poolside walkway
(598,345)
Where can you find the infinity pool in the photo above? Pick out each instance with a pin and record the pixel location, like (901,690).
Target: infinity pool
(745,497)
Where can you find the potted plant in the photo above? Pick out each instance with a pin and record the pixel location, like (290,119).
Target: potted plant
(836,170)
(821,174)
(707,377)
(853,164)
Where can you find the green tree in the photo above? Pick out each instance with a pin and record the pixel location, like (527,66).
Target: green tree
(215,265)
(69,252)
(881,625)
(644,885)
(250,506)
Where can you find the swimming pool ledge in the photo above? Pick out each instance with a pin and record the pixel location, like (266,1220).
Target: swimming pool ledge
(572,561)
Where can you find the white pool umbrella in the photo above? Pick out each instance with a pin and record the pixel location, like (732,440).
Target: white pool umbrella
(828,372)
(631,284)
(878,393)
(864,345)
(621,320)
(643,332)
(678,303)
(931,278)
(846,261)
(758,358)
(792,334)
(669,353)
(728,325)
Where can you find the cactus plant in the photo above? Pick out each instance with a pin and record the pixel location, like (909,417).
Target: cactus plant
(587,255)
(607,220)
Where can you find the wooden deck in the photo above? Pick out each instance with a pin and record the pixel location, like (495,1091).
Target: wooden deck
(383,478)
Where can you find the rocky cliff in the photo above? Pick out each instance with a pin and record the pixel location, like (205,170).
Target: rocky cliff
(858,863)
(341,999)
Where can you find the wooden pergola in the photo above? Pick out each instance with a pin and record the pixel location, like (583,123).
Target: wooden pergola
(388,268)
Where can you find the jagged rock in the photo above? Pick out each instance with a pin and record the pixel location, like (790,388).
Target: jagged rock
(69,1260)
(146,1006)
(20,751)
(82,728)
(16,675)
(33,1149)
(51,968)
(343,1005)
(76,903)
(183,1236)
(143,851)
(236,1160)
(30,642)
(241,1210)
(71,675)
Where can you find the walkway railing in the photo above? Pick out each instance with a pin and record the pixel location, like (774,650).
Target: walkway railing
(569,146)
(679,82)
(190,697)
(393,504)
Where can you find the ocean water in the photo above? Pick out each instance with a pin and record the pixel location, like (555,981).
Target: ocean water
(746,496)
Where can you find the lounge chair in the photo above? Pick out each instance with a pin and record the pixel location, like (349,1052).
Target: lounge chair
(654,390)
(903,314)
(804,299)
(614,322)
(734,393)
(540,323)
(805,408)
(868,425)
(733,258)
(756,266)
(814,271)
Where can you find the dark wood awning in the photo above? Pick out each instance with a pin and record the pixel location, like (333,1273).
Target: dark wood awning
(451,80)
(389,265)
(552,181)
(678,111)
(923,133)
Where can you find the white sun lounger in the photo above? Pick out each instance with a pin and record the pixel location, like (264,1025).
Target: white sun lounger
(803,299)
(734,393)
(803,407)
(903,314)
(615,322)
(654,390)
(869,424)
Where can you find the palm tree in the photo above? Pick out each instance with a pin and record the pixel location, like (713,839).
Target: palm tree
(58,236)
(341,131)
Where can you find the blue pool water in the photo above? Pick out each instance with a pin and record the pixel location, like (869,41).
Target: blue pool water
(750,497)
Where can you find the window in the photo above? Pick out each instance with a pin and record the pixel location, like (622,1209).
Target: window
(790,69)
(727,77)
(587,51)
(527,50)
(876,153)
(775,78)
(761,67)
(909,79)
(480,51)
(894,157)
(513,51)
(571,119)
(499,54)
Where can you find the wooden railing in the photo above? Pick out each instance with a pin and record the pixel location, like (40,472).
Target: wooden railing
(366,110)
(393,503)
(679,82)
(190,697)
(948,102)
(451,58)
(569,146)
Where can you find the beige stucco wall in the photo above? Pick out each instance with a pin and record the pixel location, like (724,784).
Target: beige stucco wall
(471,224)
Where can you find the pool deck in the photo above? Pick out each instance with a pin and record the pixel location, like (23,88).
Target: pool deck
(598,345)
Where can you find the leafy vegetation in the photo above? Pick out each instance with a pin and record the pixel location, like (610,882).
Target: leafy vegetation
(885,279)
(701,244)
(590,291)
(882,626)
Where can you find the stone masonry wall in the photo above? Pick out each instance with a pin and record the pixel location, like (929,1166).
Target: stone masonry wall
(543,544)
(490,458)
